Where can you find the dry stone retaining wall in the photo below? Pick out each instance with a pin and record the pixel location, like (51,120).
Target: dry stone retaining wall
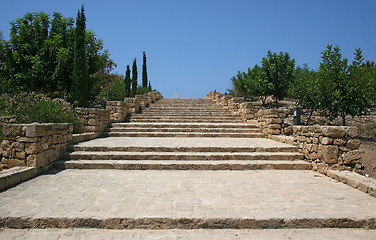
(93,119)
(334,147)
(326,147)
(34,145)
(118,110)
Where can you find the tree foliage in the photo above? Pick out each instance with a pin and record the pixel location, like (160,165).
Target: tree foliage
(144,72)
(304,89)
(278,70)
(39,55)
(134,78)
(272,78)
(337,89)
(127,82)
(80,67)
(343,89)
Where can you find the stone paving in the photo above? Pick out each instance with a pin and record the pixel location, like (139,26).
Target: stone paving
(183,142)
(217,234)
(204,195)
(187,203)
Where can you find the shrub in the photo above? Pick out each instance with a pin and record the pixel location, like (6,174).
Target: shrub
(142,90)
(33,107)
(114,92)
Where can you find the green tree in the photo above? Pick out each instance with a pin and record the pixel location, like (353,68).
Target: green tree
(134,78)
(256,83)
(144,72)
(304,89)
(343,89)
(127,82)
(278,70)
(80,69)
(39,55)
(239,84)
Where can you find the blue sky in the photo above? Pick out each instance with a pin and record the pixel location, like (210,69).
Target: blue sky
(194,46)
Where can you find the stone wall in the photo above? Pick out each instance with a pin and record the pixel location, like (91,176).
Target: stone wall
(334,147)
(34,145)
(326,147)
(274,121)
(93,119)
(133,104)
(118,110)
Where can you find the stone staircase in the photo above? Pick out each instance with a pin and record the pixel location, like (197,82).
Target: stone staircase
(183,134)
(185,169)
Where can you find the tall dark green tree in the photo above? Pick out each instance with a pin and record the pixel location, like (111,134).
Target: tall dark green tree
(127,82)
(134,78)
(144,72)
(80,82)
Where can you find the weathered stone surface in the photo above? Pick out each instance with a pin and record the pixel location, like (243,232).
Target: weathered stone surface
(339,142)
(353,143)
(35,130)
(352,156)
(326,140)
(352,132)
(334,131)
(13,130)
(328,153)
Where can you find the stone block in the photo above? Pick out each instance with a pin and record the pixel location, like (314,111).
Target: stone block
(13,130)
(352,156)
(274,126)
(352,132)
(93,122)
(35,130)
(334,131)
(274,120)
(353,143)
(20,155)
(328,153)
(10,162)
(339,142)
(33,148)
(326,140)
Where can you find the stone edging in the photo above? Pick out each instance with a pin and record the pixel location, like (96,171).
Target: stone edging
(14,176)
(357,181)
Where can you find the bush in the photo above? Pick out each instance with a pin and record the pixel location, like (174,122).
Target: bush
(33,107)
(142,90)
(114,92)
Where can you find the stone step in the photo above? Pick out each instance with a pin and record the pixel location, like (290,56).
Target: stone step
(184,125)
(120,155)
(218,234)
(186,120)
(150,199)
(218,130)
(184,165)
(184,134)
(206,149)
(186,115)
(183,117)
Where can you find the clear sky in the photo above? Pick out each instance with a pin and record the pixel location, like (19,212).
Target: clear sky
(194,46)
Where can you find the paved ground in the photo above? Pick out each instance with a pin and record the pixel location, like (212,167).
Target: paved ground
(270,234)
(182,142)
(259,195)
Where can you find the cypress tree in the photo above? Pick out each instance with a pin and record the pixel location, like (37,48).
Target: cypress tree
(144,72)
(80,83)
(149,87)
(127,82)
(134,78)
